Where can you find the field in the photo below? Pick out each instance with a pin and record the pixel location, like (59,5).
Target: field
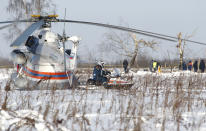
(157,101)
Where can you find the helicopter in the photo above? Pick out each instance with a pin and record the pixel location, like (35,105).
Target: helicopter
(44,62)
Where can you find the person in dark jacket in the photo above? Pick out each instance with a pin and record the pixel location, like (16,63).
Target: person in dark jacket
(151,65)
(184,66)
(195,66)
(202,66)
(97,72)
(189,65)
(98,75)
(125,64)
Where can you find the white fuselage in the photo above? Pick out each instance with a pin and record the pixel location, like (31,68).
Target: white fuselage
(47,61)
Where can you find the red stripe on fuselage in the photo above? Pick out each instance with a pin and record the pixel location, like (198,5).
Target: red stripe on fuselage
(46,78)
(47,73)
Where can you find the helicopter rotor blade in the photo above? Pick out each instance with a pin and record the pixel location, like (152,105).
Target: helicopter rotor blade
(196,42)
(3,27)
(23,37)
(28,31)
(17,21)
(173,39)
(141,32)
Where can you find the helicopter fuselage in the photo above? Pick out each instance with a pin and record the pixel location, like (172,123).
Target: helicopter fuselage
(43,60)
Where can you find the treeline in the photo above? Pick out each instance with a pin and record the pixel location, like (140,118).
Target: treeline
(142,62)
(5,62)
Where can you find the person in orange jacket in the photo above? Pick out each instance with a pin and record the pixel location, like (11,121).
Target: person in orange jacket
(189,66)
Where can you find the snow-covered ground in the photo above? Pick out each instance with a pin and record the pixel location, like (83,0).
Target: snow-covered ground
(157,101)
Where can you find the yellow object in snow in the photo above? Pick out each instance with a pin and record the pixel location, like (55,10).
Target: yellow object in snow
(159,69)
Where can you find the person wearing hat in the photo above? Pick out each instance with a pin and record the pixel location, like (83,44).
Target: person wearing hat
(98,74)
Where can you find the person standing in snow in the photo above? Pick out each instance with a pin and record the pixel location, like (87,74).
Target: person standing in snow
(97,73)
(155,66)
(189,66)
(184,66)
(159,67)
(151,65)
(125,64)
(195,66)
(202,66)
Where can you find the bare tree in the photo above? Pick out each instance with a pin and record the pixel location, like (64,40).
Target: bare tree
(150,44)
(22,9)
(125,44)
(181,47)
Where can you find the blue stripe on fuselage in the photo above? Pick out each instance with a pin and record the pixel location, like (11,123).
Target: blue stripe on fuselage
(43,75)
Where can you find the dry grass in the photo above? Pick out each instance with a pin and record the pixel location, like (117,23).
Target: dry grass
(154,100)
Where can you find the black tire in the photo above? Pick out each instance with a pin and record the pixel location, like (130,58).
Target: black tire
(90,82)
(105,84)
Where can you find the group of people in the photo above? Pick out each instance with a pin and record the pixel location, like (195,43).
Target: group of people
(194,66)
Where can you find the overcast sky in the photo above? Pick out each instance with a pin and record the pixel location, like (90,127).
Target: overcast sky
(161,16)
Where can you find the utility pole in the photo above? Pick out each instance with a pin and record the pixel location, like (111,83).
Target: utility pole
(181,50)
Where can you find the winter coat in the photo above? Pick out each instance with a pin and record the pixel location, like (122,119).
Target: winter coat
(202,66)
(125,63)
(96,73)
(154,64)
(195,66)
(189,65)
(151,65)
(184,66)
(99,75)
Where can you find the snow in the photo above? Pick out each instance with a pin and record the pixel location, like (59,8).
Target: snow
(157,101)
(14,119)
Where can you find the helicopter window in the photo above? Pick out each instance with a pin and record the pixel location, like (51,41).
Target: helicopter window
(40,36)
(32,43)
(68,51)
